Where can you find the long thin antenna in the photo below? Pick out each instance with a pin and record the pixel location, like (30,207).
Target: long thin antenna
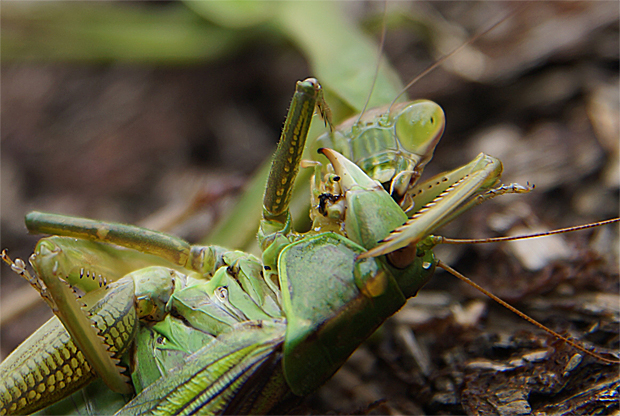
(444,240)
(524,316)
(455,51)
(379,55)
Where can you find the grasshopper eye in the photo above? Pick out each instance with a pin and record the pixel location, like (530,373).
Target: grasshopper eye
(419,127)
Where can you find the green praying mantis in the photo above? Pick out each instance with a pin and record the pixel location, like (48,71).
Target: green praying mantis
(340,209)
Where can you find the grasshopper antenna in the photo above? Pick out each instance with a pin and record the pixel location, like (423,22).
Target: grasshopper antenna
(379,54)
(444,240)
(454,52)
(524,316)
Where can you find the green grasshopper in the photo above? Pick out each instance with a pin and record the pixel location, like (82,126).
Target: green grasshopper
(265,341)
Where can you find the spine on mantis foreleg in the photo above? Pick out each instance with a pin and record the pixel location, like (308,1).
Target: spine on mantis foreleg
(58,360)
(48,366)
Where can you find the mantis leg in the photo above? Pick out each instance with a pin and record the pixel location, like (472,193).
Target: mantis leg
(275,227)
(447,196)
(61,361)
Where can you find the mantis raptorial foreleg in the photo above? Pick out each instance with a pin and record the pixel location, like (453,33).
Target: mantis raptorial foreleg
(63,361)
